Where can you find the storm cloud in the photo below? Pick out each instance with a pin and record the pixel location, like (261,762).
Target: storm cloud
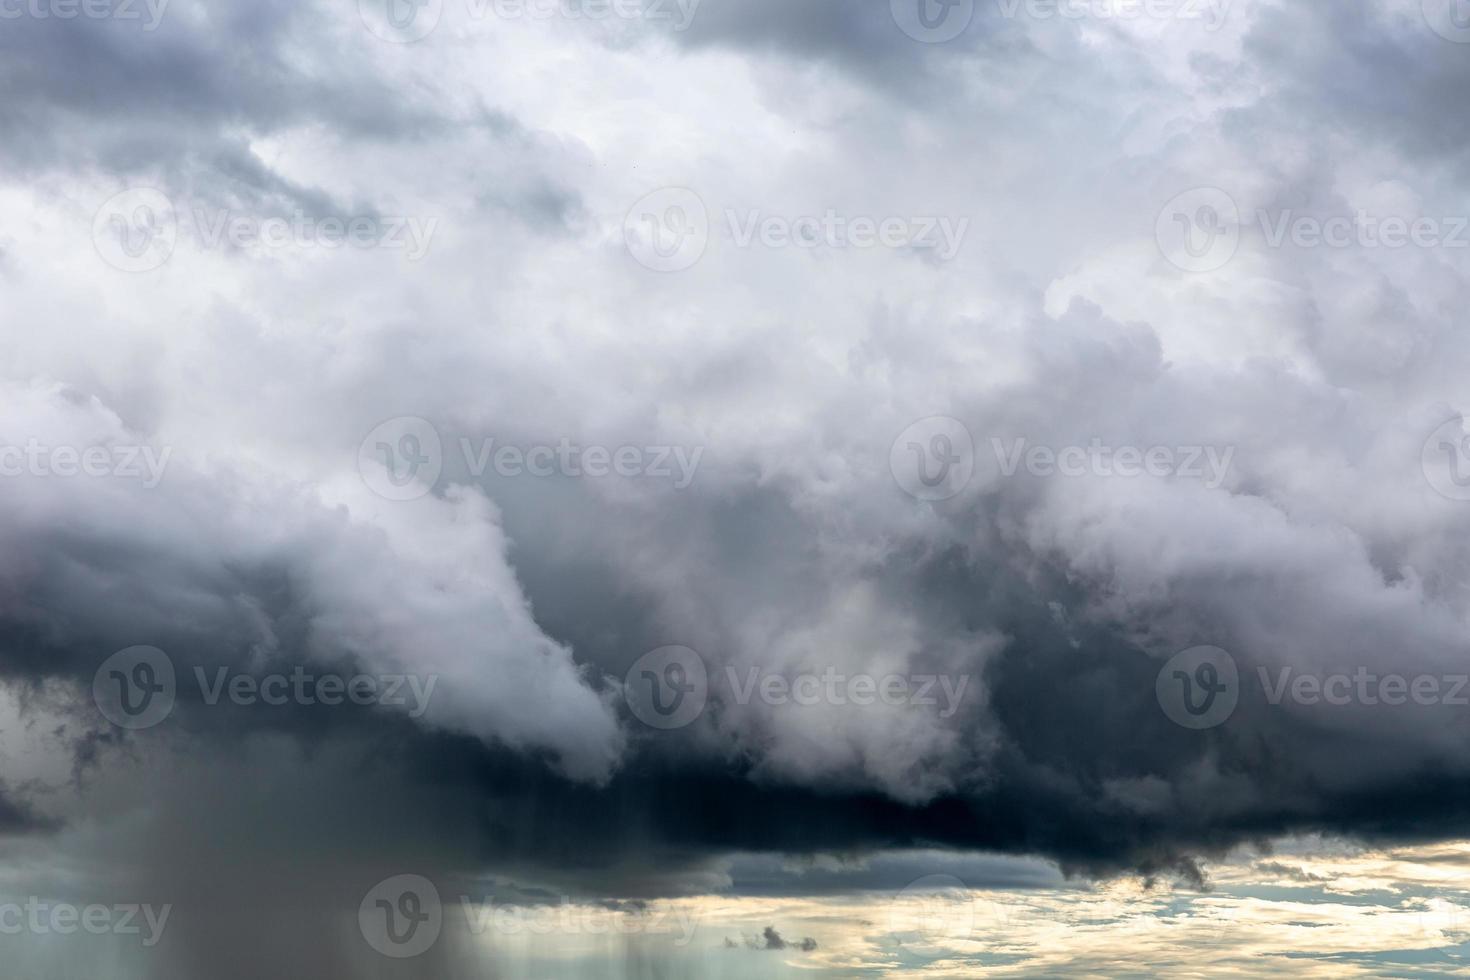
(540,474)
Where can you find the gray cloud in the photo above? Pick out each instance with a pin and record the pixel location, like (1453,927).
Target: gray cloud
(794,550)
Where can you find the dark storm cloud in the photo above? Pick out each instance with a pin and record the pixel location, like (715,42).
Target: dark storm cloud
(179,106)
(1078,724)
(1059,602)
(863,38)
(108,93)
(855,33)
(17,817)
(1366,71)
(1290,871)
(318,805)
(771,939)
(1067,756)
(170,567)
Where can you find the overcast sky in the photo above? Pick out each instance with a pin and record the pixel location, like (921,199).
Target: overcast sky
(910,487)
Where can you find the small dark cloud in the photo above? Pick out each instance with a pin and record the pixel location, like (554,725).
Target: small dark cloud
(1290,871)
(772,939)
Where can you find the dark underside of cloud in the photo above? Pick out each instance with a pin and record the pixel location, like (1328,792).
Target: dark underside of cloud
(1086,770)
